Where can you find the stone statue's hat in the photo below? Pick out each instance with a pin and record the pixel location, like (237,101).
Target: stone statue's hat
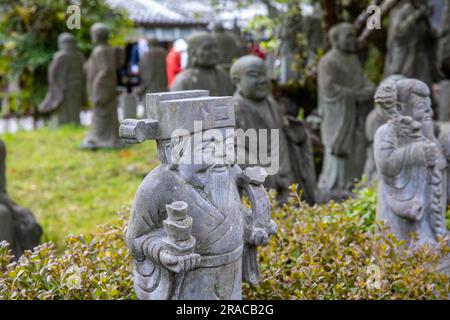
(172,114)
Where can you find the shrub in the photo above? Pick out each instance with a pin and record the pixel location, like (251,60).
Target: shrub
(319,252)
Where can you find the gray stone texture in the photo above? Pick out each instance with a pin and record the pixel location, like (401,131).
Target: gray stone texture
(204,73)
(66,84)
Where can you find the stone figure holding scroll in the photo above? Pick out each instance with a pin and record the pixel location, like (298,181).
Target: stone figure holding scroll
(66,85)
(256,109)
(412,164)
(203,72)
(18,226)
(189,234)
(102,86)
(345,99)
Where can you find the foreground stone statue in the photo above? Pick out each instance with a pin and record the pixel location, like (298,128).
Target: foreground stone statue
(152,68)
(189,233)
(345,99)
(66,86)
(412,42)
(102,86)
(228,43)
(374,120)
(203,72)
(18,226)
(412,164)
(256,109)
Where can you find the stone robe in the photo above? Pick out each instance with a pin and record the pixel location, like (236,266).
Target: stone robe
(219,233)
(345,99)
(408,187)
(152,68)
(296,164)
(66,92)
(215,80)
(411,45)
(102,81)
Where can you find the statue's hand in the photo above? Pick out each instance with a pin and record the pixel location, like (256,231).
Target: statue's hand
(431,153)
(258,237)
(179,264)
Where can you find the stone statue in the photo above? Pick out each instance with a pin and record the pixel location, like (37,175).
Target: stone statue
(203,72)
(412,164)
(102,86)
(411,44)
(228,43)
(18,226)
(66,91)
(312,28)
(444,65)
(374,120)
(256,109)
(189,233)
(345,99)
(152,69)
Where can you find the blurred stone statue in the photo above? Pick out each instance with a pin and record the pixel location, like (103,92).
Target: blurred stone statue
(256,109)
(444,64)
(190,236)
(66,85)
(152,68)
(203,72)
(374,120)
(412,42)
(312,28)
(289,48)
(229,46)
(412,164)
(18,226)
(345,99)
(102,86)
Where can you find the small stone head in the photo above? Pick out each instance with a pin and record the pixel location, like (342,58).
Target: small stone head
(99,33)
(414,98)
(66,41)
(218,28)
(249,75)
(343,37)
(203,50)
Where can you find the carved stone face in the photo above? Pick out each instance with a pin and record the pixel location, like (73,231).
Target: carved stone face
(254,83)
(347,40)
(422,111)
(212,149)
(206,54)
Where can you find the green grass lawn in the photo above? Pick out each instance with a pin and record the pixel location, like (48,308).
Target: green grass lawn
(71,190)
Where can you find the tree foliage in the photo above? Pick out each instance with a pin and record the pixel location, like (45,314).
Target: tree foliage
(28,38)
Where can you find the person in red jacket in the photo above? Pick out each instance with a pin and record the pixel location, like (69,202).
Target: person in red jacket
(176,60)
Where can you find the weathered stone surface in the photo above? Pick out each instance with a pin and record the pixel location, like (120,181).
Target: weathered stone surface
(17,225)
(203,72)
(189,234)
(412,42)
(345,99)
(374,120)
(412,165)
(229,47)
(102,86)
(66,86)
(256,109)
(152,69)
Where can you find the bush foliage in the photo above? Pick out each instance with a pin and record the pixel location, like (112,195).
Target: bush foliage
(320,252)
